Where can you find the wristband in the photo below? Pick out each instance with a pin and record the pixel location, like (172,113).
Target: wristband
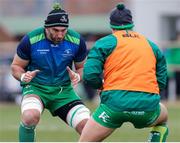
(22,77)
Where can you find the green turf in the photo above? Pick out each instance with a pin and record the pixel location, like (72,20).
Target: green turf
(52,129)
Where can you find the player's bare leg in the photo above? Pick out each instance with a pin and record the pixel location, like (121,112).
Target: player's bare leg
(31,109)
(81,125)
(94,132)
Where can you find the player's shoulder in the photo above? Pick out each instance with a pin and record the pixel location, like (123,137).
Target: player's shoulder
(72,36)
(73,33)
(107,41)
(36,35)
(35,32)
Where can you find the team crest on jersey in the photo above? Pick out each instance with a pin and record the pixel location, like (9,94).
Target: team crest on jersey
(67,53)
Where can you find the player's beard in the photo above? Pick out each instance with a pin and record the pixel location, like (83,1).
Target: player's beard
(55,39)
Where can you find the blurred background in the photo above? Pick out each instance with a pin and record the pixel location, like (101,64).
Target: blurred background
(158,20)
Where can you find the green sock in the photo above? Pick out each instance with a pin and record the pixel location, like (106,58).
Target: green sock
(26,133)
(158,133)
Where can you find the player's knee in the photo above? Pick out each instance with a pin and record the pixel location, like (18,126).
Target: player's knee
(31,109)
(30,117)
(78,116)
(81,125)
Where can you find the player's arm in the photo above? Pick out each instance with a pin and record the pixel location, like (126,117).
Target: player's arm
(18,67)
(94,66)
(92,73)
(161,70)
(21,60)
(18,70)
(79,61)
(161,66)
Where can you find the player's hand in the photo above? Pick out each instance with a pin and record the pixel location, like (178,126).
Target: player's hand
(29,75)
(75,77)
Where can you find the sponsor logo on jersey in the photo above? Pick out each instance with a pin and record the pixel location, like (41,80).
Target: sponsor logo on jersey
(104,117)
(43,51)
(54,45)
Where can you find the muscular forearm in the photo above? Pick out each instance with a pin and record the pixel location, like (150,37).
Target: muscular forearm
(92,73)
(17,71)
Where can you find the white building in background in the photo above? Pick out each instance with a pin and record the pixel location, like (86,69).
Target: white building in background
(156,19)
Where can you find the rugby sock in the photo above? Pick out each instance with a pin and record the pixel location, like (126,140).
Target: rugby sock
(158,133)
(26,133)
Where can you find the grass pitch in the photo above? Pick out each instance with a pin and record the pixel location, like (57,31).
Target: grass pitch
(51,129)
